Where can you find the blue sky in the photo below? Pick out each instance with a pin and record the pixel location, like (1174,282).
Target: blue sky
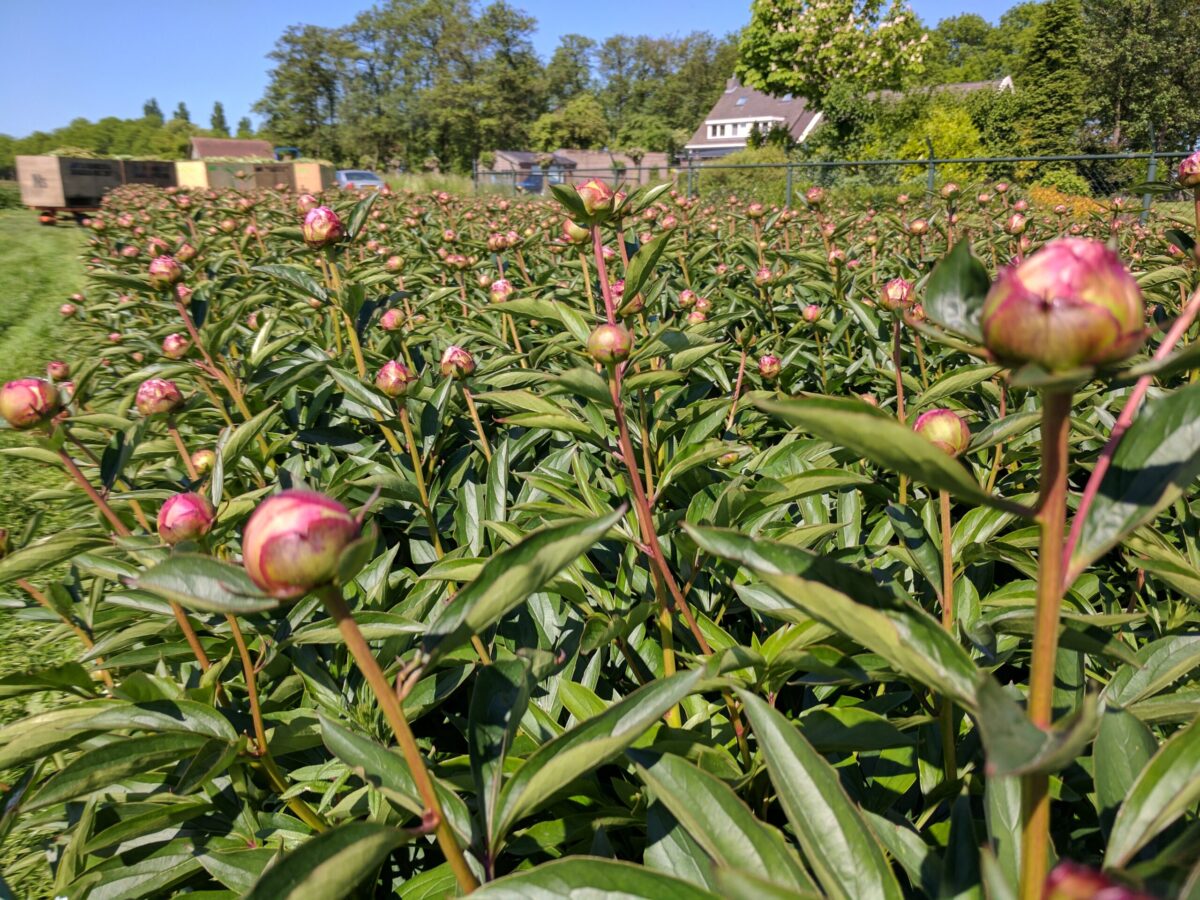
(67,58)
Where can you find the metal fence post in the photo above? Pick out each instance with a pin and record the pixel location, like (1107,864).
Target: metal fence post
(475,176)
(787,203)
(931,179)
(690,177)
(1151,173)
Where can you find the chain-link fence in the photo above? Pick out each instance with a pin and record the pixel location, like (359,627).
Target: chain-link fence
(1093,176)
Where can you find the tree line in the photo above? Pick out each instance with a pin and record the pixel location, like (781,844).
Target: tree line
(438,84)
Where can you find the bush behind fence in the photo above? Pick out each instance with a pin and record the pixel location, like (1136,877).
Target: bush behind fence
(1091,176)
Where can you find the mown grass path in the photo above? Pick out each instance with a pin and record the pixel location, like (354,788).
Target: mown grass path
(39,270)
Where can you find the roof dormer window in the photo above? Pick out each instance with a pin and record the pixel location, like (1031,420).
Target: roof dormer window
(741,101)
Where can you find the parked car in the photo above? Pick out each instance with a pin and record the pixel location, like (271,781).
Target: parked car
(358,179)
(531,183)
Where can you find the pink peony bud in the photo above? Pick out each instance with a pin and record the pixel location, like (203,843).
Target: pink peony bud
(184,517)
(815,196)
(1015,224)
(457,362)
(501,290)
(67,310)
(755,211)
(306,202)
(1070,304)
(950,191)
(395,378)
(811,313)
(203,461)
(769,367)
(944,429)
(394,263)
(597,197)
(157,395)
(1189,171)
(294,540)
(28,402)
(185,253)
(321,227)
(687,298)
(837,258)
(572,233)
(763,276)
(392,319)
(58,370)
(610,344)
(164,272)
(918,227)
(897,294)
(175,346)
(1073,881)
(184,293)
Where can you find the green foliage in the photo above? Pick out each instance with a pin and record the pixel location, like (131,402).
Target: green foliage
(802,48)
(1053,81)
(764,185)
(579,123)
(685,627)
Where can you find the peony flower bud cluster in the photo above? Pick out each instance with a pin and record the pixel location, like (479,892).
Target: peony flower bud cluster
(28,402)
(945,429)
(185,517)
(321,227)
(156,396)
(610,344)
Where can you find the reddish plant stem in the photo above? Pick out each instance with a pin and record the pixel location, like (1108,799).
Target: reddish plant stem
(903,487)
(1186,317)
(394,713)
(193,475)
(1052,516)
(118,526)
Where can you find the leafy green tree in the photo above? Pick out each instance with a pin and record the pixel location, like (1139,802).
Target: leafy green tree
(301,103)
(804,48)
(1140,66)
(579,124)
(646,130)
(569,72)
(151,110)
(181,113)
(217,122)
(1052,80)
(245,129)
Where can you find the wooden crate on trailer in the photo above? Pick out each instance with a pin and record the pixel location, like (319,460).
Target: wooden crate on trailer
(191,173)
(148,171)
(63,182)
(269,175)
(312,177)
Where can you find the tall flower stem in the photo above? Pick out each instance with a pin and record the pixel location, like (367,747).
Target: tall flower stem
(737,391)
(1178,328)
(587,282)
(394,713)
(487,450)
(949,754)
(1052,517)
(900,416)
(193,475)
(419,473)
(80,632)
(302,810)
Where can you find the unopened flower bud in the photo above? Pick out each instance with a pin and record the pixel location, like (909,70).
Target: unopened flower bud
(28,402)
(184,517)
(945,429)
(500,290)
(394,263)
(457,362)
(1015,224)
(1070,304)
(156,396)
(175,346)
(1189,171)
(572,233)
(294,541)
(769,367)
(392,319)
(610,344)
(815,196)
(68,310)
(811,313)
(950,191)
(755,211)
(687,298)
(1073,881)
(918,227)
(58,370)
(321,227)
(896,295)
(597,197)
(164,272)
(203,461)
(395,378)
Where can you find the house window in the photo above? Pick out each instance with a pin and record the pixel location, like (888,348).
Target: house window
(741,101)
